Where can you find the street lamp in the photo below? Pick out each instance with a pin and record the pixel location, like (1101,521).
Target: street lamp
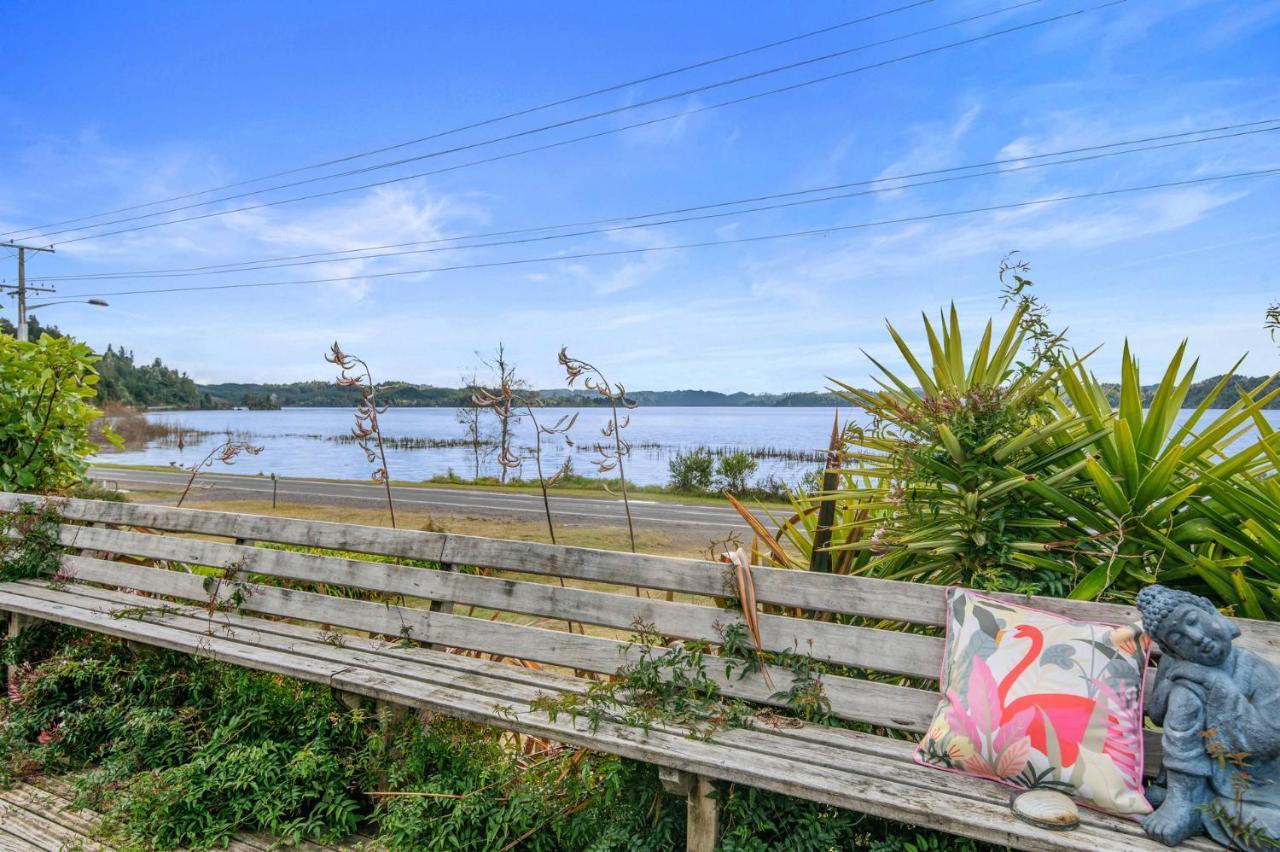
(98,302)
(22,324)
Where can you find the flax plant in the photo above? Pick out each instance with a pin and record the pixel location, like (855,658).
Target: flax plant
(225,453)
(948,473)
(355,373)
(559,429)
(504,399)
(611,458)
(1182,500)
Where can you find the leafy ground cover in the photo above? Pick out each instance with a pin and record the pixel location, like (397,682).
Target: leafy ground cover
(181,751)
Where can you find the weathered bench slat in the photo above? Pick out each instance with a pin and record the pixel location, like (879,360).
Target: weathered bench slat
(263,659)
(32,830)
(296,633)
(856,596)
(986,818)
(886,651)
(590,653)
(856,700)
(375,655)
(862,596)
(56,819)
(873,756)
(520,682)
(271,630)
(877,703)
(843,788)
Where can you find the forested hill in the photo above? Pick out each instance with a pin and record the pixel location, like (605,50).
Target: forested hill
(145,385)
(122,381)
(407,394)
(155,385)
(1254,385)
(319,393)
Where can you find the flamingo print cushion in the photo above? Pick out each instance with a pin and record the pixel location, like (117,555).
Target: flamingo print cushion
(1032,699)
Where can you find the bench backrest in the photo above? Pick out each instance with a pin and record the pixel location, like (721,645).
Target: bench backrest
(465,605)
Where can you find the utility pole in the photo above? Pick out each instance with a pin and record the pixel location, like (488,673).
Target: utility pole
(22,287)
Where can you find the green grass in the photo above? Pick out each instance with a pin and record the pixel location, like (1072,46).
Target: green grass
(583,486)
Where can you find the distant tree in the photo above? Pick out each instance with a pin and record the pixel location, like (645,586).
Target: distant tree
(470,416)
(34,328)
(505,384)
(147,386)
(260,402)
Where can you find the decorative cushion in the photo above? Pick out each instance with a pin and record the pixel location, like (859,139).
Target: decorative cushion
(1032,699)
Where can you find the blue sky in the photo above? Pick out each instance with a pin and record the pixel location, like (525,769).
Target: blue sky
(103,107)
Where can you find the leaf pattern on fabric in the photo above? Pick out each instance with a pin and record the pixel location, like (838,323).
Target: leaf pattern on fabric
(983,697)
(1124,737)
(1014,729)
(1061,655)
(1014,758)
(1034,699)
(960,721)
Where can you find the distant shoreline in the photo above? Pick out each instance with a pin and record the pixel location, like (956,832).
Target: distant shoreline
(405,395)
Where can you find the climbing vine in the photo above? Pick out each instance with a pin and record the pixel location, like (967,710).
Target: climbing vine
(29,545)
(671,685)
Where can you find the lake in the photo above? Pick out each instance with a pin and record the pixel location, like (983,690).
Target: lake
(304,441)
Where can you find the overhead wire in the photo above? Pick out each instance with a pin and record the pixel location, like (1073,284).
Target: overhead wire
(247,266)
(822,231)
(560,143)
(495,119)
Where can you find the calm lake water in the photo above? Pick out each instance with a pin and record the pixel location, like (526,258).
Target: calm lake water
(302,441)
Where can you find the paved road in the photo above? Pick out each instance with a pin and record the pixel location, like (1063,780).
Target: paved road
(577,511)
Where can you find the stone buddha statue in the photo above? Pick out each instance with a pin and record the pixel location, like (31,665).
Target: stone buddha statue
(1220,709)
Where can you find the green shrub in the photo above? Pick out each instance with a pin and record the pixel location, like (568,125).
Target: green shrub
(734,471)
(692,472)
(29,545)
(1175,506)
(45,413)
(90,490)
(181,751)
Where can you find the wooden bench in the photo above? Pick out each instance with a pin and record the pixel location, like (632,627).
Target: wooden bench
(292,632)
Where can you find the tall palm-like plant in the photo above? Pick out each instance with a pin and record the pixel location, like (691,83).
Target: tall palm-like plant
(999,470)
(949,473)
(1185,500)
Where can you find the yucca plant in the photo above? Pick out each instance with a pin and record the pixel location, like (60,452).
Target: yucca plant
(950,472)
(1176,502)
(999,470)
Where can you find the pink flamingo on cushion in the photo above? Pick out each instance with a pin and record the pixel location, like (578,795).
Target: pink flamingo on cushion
(1069,714)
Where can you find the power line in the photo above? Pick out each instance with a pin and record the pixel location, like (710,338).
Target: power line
(561,143)
(522,133)
(253,266)
(496,119)
(704,244)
